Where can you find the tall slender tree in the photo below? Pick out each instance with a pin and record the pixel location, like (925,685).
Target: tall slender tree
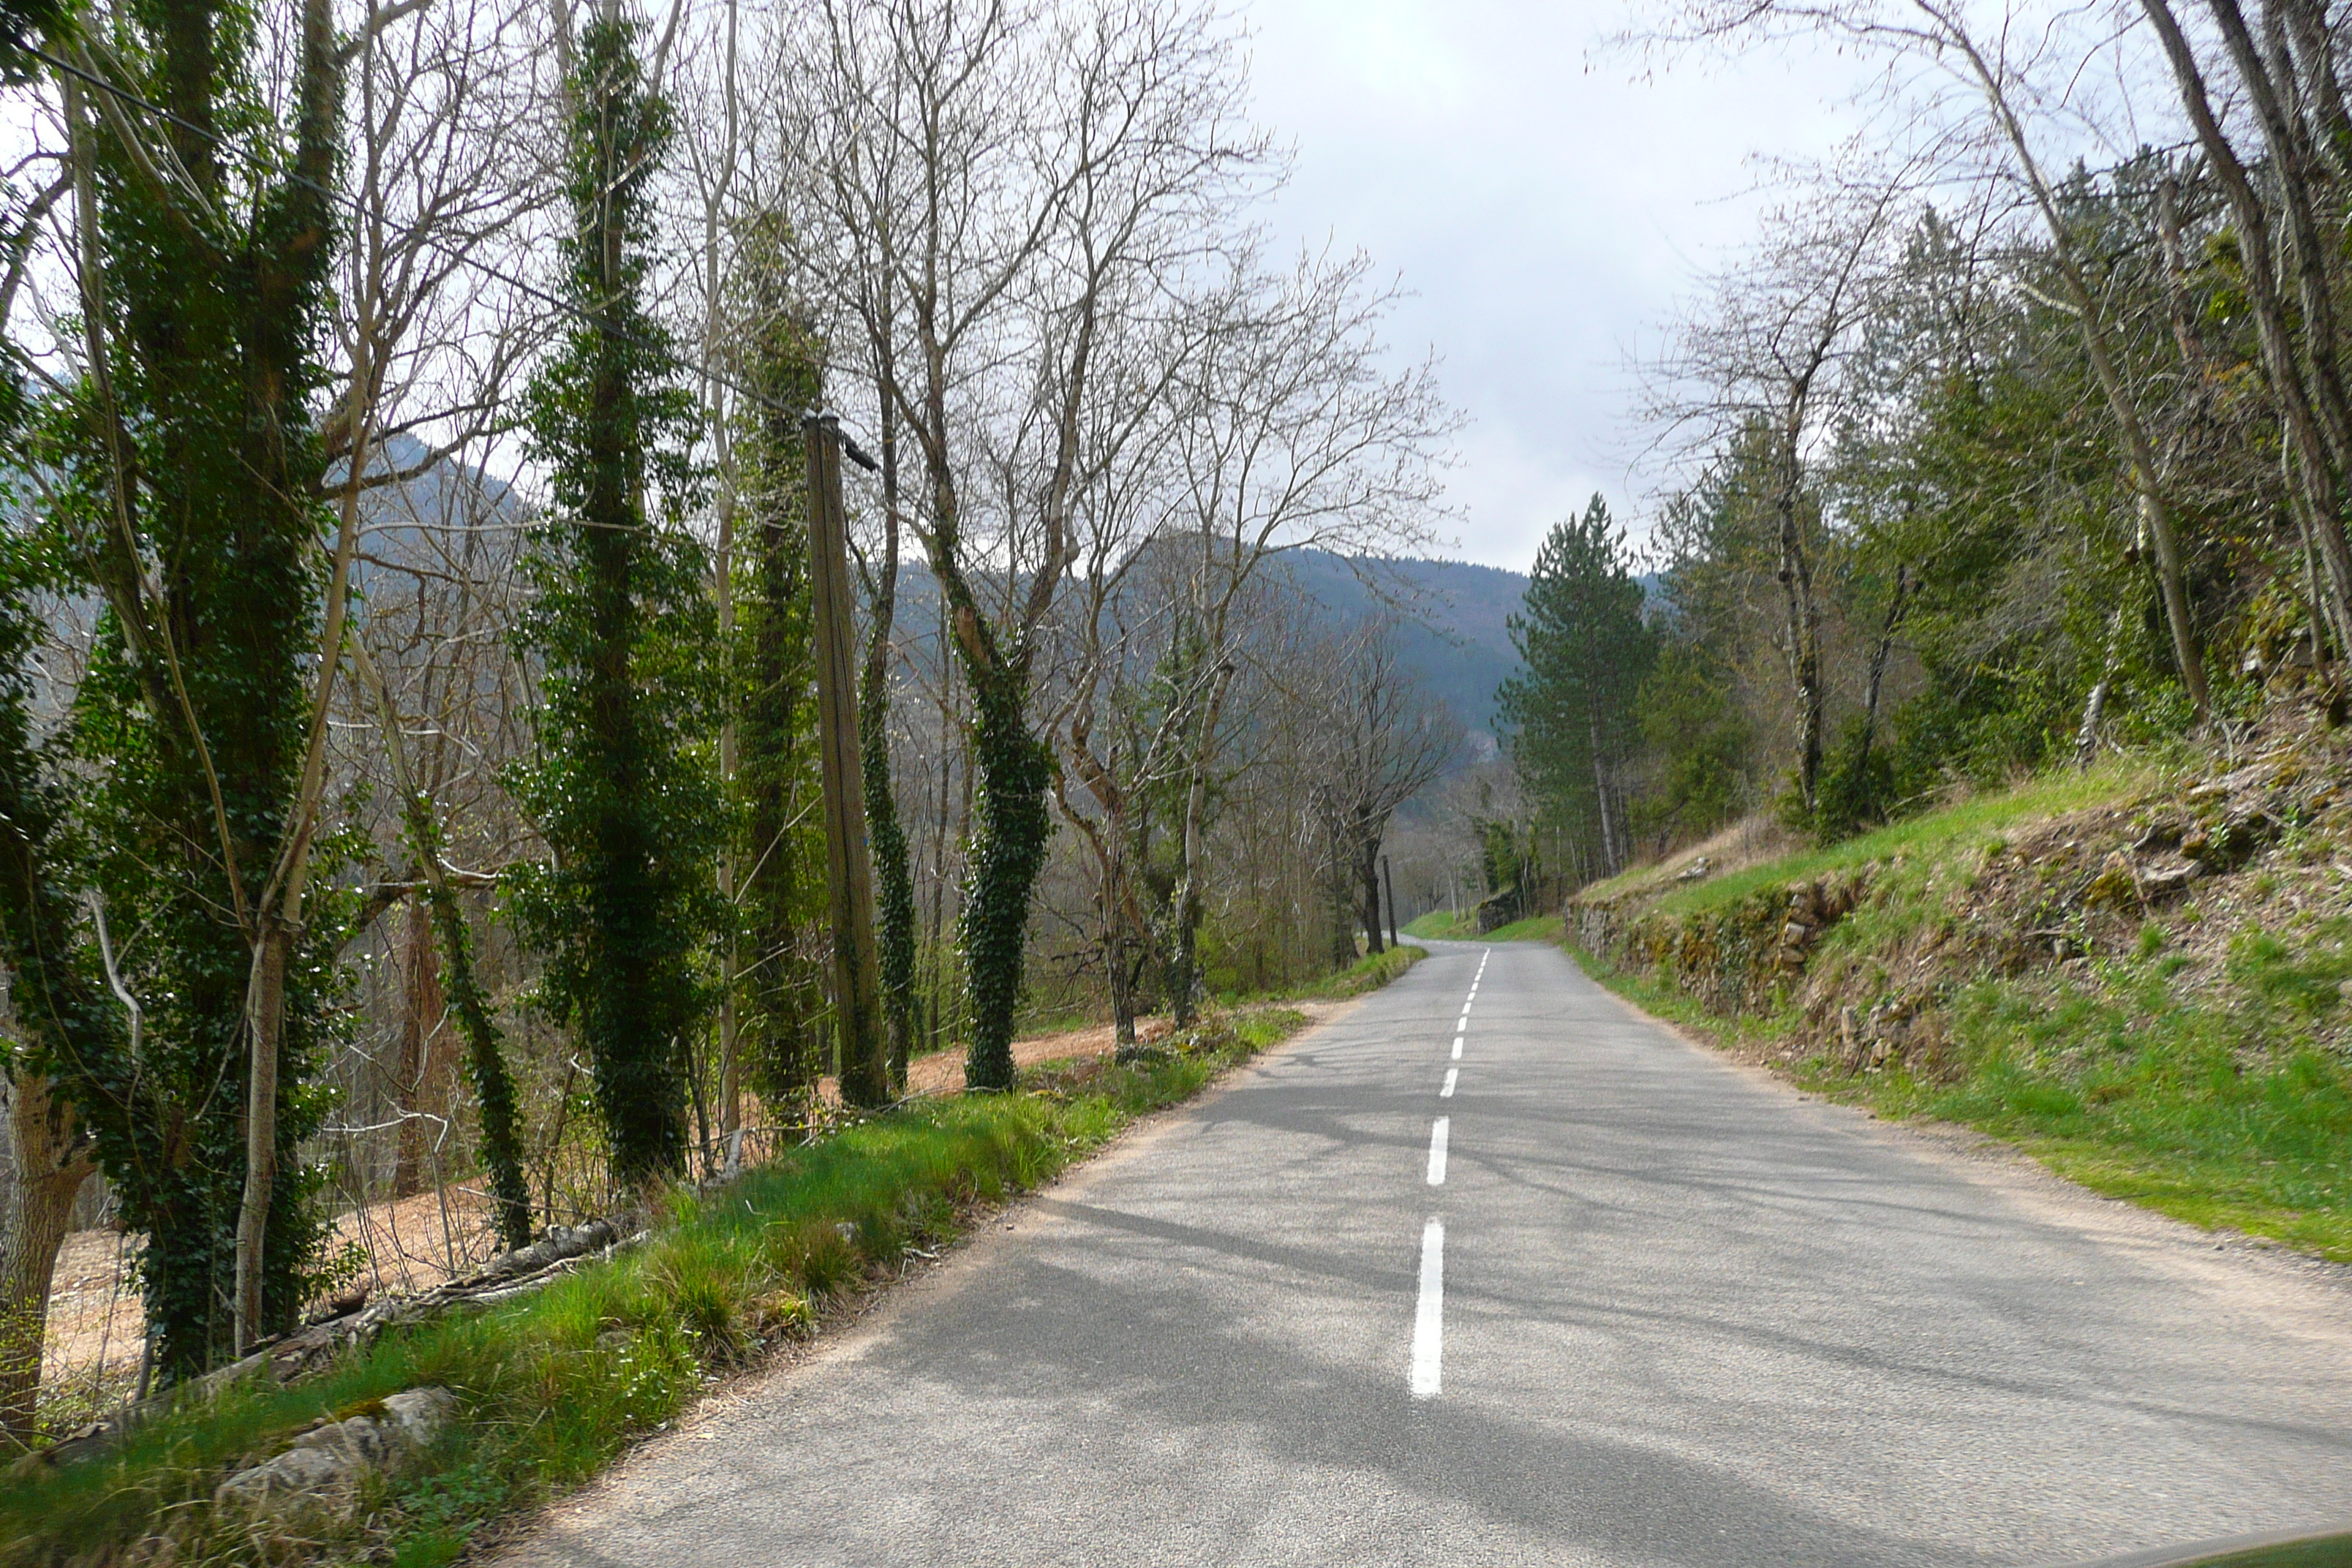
(779,889)
(624,786)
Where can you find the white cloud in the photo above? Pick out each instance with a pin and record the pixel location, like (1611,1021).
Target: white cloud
(1545,201)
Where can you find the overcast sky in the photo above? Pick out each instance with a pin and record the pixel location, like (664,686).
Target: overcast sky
(1545,204)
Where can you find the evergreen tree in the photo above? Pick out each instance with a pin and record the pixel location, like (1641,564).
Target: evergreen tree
(1586,649)
(624,786)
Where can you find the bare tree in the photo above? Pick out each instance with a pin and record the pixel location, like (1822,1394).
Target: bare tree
(983,195)
(1755,375)
(2289,79)
(1294,435)
(1998,68)
(1382,740)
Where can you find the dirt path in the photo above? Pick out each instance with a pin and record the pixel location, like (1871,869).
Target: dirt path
(941,1072)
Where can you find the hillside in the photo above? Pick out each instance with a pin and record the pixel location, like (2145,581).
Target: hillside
(1453,614)
(2139,974)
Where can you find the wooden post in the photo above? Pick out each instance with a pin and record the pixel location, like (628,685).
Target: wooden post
(865,1065)
(1388,884)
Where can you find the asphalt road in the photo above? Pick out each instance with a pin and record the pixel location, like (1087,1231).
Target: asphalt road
(1679,1315)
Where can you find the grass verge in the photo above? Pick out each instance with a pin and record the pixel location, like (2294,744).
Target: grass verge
(2158,1106)
(1368,972)
(1934,835)
(1535,928)
(1442,925)
(553,1386)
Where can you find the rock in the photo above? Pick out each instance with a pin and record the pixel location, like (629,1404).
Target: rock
(330,1458)
(2116,887)
(1696,870)
(420,1413)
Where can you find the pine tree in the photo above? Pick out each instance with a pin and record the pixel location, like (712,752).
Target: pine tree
(1586,650)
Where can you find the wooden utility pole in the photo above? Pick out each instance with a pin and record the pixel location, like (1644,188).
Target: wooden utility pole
(865,1067)
(1388,876)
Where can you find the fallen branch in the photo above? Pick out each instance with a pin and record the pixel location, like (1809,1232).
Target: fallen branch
(505,1277)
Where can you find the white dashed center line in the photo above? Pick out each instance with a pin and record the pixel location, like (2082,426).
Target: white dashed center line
(1429,1318)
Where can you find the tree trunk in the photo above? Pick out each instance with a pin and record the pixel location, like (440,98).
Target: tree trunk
(424,1057)
(2094,710)
(1600,794)
(894,883)
(731,946)
(1008,849)
(265,1020)
(1804,633)
(1184,973)
(1387,881)
(1121,976)
(948,722)
(52,1161)
(1897,607)
(494,1096)
(1368,885)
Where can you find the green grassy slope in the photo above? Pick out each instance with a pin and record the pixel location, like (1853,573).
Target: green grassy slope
(1440,924)
(2138,976)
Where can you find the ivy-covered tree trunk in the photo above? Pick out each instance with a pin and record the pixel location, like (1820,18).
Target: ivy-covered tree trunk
(780,887)
(189,474)
(485,1062)
(623,788)
(894,882)
(1008,849)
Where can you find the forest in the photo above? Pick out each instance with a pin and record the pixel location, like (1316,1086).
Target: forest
(2018,439)
(411,756)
